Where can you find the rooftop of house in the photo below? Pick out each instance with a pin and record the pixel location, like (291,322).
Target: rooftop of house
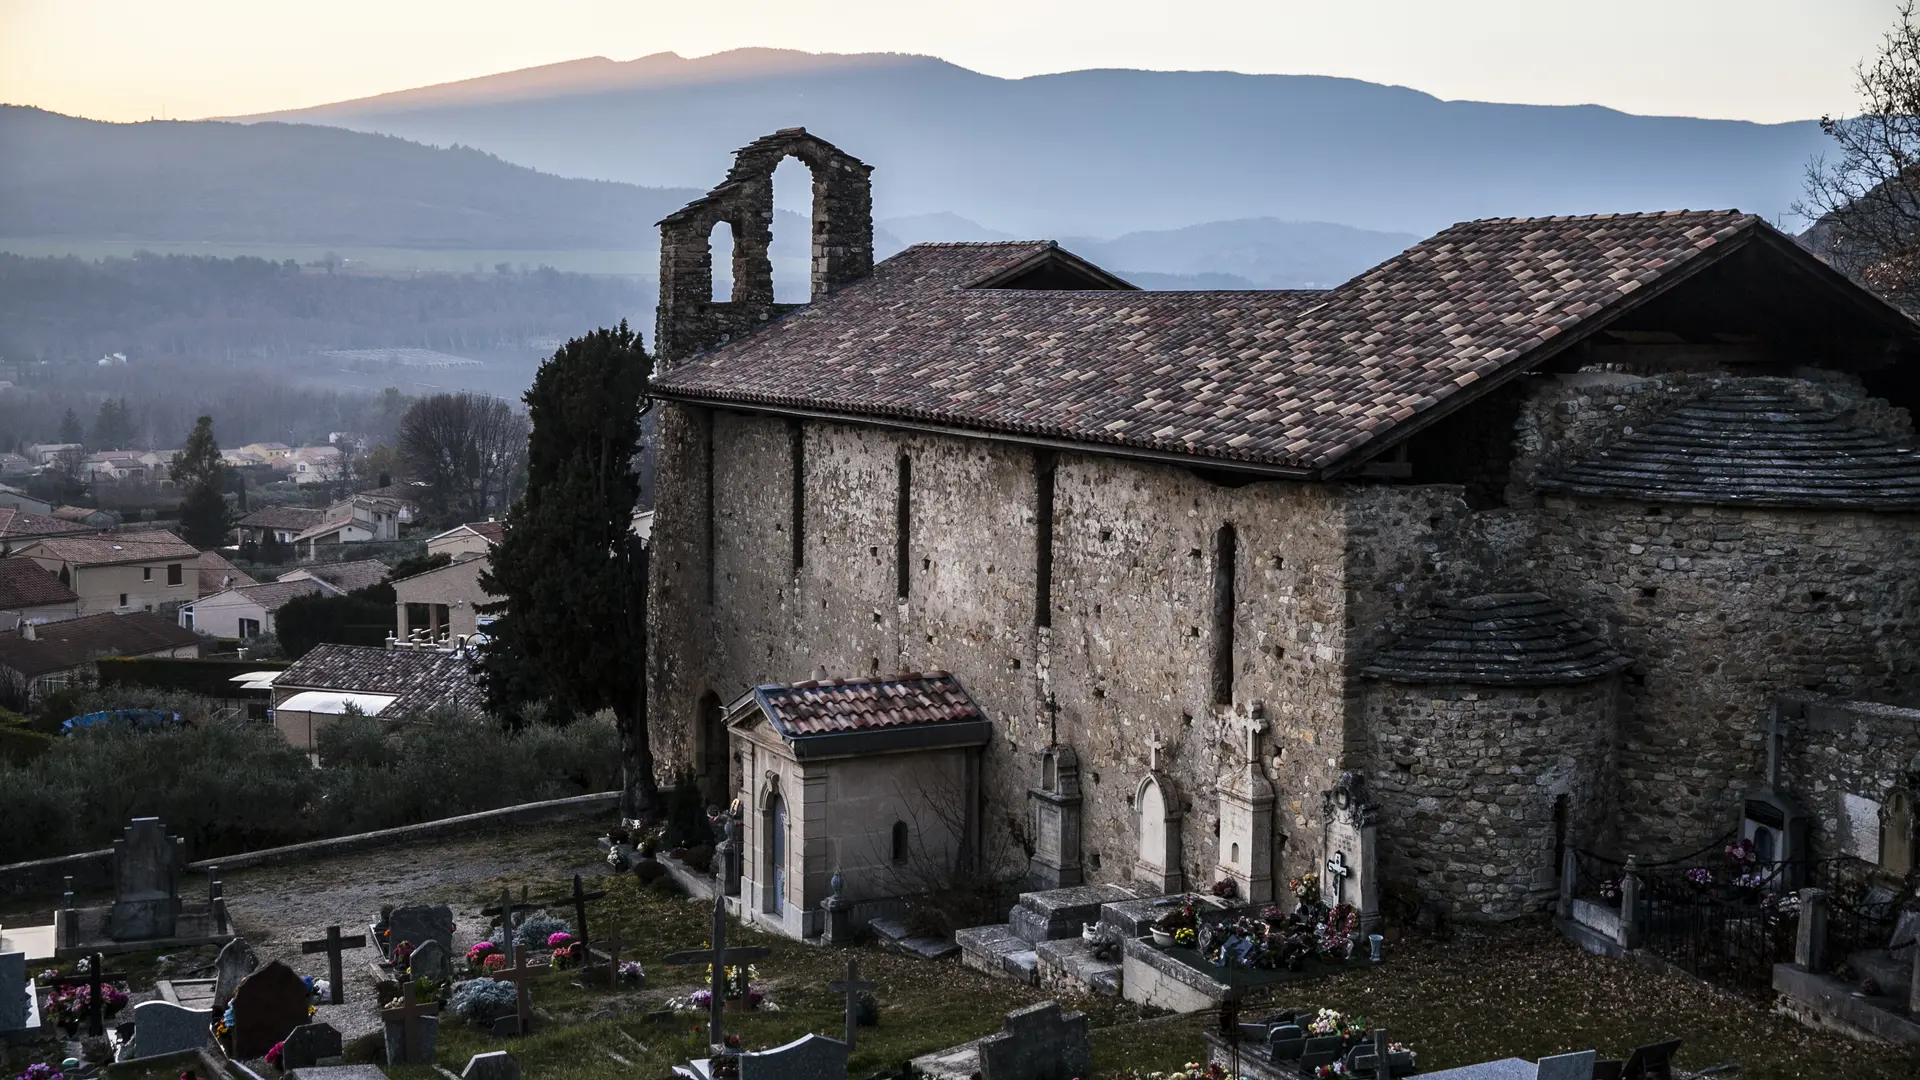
(491,531)
(287,518)
(218,575)
(1500,639)
(419,678)
(65,645)
(272,595)
(960,337)
(77,513)
(880,712)
(108,549)
(1750,446)
(25,584)
(345,576)
(16,524)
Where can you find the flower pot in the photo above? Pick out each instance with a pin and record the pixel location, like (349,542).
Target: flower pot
(1161,937)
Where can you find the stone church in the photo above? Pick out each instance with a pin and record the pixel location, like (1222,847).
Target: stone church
(1524,531)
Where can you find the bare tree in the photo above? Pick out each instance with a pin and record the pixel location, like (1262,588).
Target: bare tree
(466,447)
(1865,202)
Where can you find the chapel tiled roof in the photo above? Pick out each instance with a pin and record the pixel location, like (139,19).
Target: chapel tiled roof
(1501,639)
(25,583)
(1288,380)
(421,679)
(64,645)
(866,704)
(107,549)
(288,518)
(1750,446)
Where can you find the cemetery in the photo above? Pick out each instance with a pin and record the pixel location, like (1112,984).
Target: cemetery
(398,961)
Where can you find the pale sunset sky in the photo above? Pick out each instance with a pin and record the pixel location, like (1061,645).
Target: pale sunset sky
(1765,60)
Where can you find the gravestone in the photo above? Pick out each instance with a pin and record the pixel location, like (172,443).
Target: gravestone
(431,961)
(426,1035)
(161,1027)
(1321,1050)
(1906,927)
(1577,1066)
(419,924)
(810,1057)
(266,1006)
(1653,1061)
(15,1004)
(1348,841)
(146,883)
(1157,860)
(1244,799)
(1039,1042)
(338,1072)
(310,1044)
(1055,863)
(494,1065)
(236,961)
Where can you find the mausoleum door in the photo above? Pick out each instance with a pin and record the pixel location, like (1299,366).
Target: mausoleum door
(776,855)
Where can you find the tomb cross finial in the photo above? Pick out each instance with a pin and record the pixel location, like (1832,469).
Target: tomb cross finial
(1154,746)
(1251,726)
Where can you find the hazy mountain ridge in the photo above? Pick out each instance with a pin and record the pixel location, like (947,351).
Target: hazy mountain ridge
(1105,152)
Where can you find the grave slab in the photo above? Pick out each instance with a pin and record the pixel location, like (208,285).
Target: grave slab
(39,943)
(310,1044)
(894,932)
(1059,913)
(338,1072)
(493,1065)
(1068,965)
(161,1028)
(1576,1066)
(1502,1069)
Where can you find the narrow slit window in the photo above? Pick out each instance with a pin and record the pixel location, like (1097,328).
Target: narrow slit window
(797,452)
(899,842)
(902,519)
(1224,543)
(713,552)
(1043,538)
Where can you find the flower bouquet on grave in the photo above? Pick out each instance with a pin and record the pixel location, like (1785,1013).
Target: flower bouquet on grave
(569,954)
(632,974)
(494,962)
(1306,893)
(277,1053)
(1337,933)
(478,953)
(1179,918)
(401,956)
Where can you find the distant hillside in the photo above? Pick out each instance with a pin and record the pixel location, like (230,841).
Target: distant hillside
(297,184)
(1103,153)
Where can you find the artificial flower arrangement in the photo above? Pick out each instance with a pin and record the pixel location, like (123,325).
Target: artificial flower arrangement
(478,953)
(559,939)
(401,956)
(494,962)
(73,1004)
(631,972)
(568,955)
(1274,941)
(41,1071)
(277,1053)
(1186,937)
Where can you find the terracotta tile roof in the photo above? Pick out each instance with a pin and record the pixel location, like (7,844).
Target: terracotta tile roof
(491,531)
(345,576)
(25,583)
(421,678)
(1750,446)
(896,701)
(289,518)
(274,595)
(14,523)
(219,575)
(1510,639)
(107,549)
(1288,380)
(62,646)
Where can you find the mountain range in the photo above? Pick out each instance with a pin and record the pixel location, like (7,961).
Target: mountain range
(1103,152)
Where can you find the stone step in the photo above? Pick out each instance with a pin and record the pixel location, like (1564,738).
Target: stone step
(1058,913)
(1133,917)
(997,950)
(894,933)
(1068,965)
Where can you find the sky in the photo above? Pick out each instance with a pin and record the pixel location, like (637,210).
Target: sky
(1763,60)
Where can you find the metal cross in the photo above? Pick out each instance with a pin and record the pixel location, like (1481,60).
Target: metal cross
(719,956)
(96,1018)
(332,944)
(851,986)
(408,1013)
(1337,871)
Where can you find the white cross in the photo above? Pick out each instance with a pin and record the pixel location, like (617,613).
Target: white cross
(1154,746)
(1251,727)
(1337,871)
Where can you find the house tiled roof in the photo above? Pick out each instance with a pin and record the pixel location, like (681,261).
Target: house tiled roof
(866,704)
(286,518)
(219,575)
(1289,381)
(420,678)
(15,524)
(273,595)
(491,531)
(1501,639)
(25,583)
(107,549)
(62,646)
(1750,446)
(346,576)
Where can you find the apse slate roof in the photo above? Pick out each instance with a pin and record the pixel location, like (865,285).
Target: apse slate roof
(867,704)
(1288,380)
(1501,639)
(1750,446)
(420,679)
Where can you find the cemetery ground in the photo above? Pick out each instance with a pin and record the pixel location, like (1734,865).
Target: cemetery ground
(1485,993)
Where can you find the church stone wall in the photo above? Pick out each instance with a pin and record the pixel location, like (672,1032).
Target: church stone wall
(1832,749)
(1469,782)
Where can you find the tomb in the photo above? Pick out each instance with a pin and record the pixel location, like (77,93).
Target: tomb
(148,911)
(1246,810)
(873,780)
(1348,841)
(1157,807)
(1055,863)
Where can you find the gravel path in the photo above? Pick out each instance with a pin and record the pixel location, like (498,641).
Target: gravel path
(275,908)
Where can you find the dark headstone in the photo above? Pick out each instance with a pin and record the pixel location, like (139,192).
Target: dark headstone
(397,1041)
(161,1027)
(310,1044)
(419,924)
(1039,1042)
(146,883)
(236,961)
(493,1065)
(810,1057)
(268,1005)
(13,991)
(431,961)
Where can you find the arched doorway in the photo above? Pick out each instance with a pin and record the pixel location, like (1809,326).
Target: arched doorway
(776,851)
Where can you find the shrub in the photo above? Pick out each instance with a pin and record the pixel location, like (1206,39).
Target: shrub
(482,1000)
(535,928)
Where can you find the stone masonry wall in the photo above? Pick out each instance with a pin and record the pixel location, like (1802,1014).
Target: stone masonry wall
(1834,748)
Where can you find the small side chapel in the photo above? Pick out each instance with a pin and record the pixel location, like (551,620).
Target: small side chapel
(861,789)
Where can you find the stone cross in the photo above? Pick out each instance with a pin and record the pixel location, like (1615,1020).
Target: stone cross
(851,986)
(1337,871)
(91,979)
(332,945)
(1251,727)
(408,1013)
(579,901)
(1154,746)
(718,957)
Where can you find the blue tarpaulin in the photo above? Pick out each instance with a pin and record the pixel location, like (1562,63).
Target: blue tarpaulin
(140,719)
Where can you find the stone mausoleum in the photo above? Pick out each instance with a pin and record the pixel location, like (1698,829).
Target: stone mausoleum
(1522,531)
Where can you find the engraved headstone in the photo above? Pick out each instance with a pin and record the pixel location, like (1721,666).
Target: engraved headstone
(267,1005)
(431,961)
(426,1036)
(236,961)
(1577,1066)
(310,1044)
(810,1057)
(418,924)
(161,1027)
(1039,1042)
(146,883)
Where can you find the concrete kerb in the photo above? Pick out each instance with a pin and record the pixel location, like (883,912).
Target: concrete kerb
(93,870)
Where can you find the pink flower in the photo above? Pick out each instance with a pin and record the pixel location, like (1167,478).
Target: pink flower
(276,1052)
(555,941)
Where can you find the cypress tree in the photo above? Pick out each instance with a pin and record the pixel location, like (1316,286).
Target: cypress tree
(571,624)
(201,476)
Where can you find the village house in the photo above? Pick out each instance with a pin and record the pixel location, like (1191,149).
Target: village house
(277,524)
(473,538)
(219,575)
(40,658)
(90,516)
(391,684)
(1505,547)
(28,593)
(12,498)
(357,519)
(19,528)
(121,572)
(44,454)
(442,605)
(315,465)
(246,611)
(343,577)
